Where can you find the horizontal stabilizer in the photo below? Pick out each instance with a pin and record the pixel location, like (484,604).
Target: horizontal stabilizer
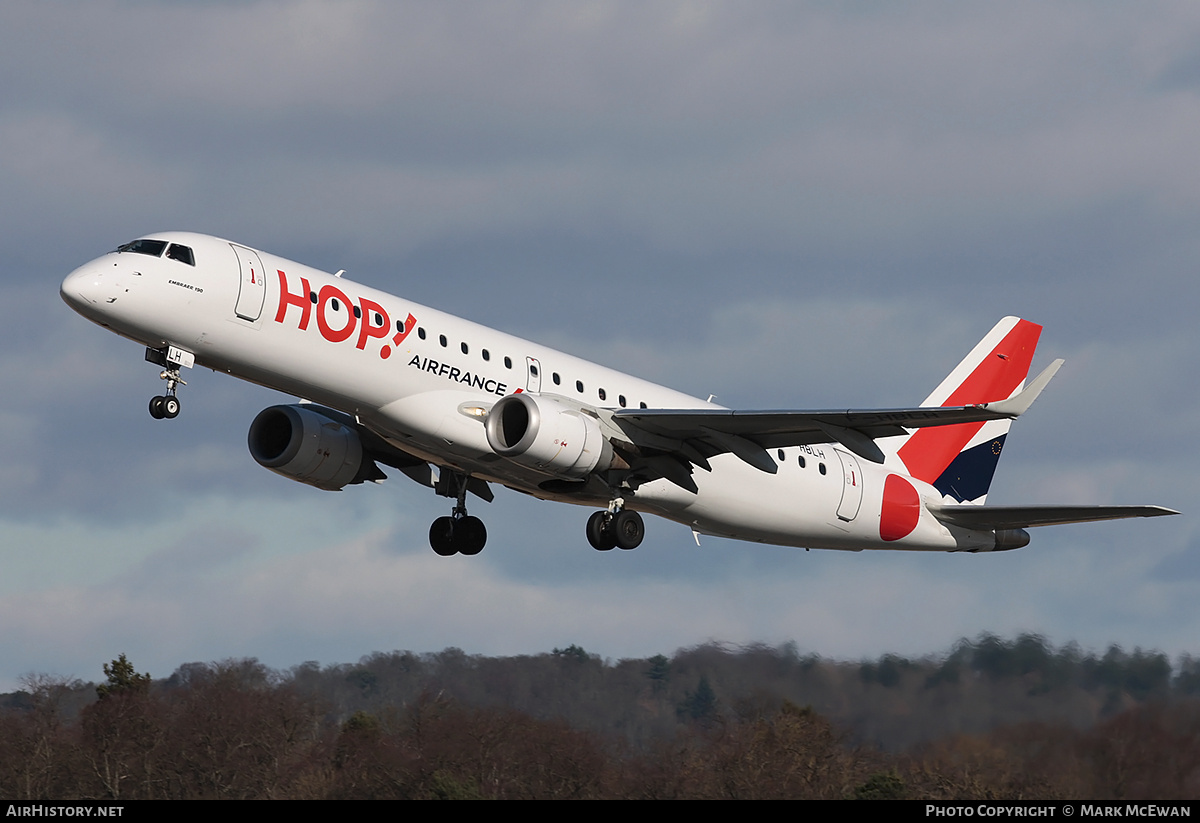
(986,518)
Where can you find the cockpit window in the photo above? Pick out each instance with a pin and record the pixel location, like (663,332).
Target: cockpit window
(154,248)
(181,253)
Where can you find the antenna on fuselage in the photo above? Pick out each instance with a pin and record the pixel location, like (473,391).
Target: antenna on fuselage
(340,272)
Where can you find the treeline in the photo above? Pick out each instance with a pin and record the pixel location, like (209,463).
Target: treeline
(994,718)
(891,702)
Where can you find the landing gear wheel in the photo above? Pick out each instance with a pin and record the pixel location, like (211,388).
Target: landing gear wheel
(156,408)
(170,407)
(441,537)
(600,533)
(628,529)
(460,533)
(470,535)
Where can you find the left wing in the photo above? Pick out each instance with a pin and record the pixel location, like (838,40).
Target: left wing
(748,434)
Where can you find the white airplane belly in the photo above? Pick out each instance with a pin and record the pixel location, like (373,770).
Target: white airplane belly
(800,507)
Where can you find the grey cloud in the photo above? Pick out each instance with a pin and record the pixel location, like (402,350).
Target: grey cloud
(786,205)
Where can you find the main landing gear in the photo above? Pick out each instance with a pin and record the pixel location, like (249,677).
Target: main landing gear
(460,533)
(615,527)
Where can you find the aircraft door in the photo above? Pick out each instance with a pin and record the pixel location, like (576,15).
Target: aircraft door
(851,487)
(534,369)
(252,290)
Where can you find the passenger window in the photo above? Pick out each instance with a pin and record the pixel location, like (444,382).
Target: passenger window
(801,461)
(642,405)
(442,340)
(464,348)
(181,253)
(603,394)
(579,386)
(421,332)
(486,355)
(781,458)
(557,380)
(400,326)
(621,400)
(821,468)
(508,362)
(533,370)
(358,312)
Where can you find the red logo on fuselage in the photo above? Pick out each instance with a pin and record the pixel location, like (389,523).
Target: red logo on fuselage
(369,319)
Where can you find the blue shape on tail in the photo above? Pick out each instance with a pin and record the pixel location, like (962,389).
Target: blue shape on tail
(969,475)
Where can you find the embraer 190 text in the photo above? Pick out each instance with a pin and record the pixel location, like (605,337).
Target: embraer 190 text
(456,406)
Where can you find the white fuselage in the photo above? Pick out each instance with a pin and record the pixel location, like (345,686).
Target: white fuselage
(422,378)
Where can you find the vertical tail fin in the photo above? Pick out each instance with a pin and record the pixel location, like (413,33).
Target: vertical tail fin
(960,460)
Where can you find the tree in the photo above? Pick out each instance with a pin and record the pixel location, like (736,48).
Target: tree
(122,732)
(122,679)
(701,704)
(659,672)
(572,652)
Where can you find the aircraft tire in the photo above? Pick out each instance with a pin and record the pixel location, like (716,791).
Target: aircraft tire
(170,407)
(470,535)
(628,529)
(600,533)
(441,537)
(156,408)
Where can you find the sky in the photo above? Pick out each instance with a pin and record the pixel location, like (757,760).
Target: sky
(787,205)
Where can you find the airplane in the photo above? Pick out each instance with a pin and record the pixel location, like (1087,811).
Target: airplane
(458,407)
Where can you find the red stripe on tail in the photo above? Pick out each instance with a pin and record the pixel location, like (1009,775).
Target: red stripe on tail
(929,451)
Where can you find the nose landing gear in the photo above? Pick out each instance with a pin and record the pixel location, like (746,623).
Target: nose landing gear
(164,406)
(167,405)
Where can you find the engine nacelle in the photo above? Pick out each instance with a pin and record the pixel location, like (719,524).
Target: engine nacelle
(547,435)
(1009,539)
(307,446)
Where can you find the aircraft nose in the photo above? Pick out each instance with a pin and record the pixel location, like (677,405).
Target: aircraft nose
(79,288)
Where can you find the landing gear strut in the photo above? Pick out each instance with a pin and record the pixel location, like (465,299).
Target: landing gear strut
(167,405)
(460,533)
(616,527)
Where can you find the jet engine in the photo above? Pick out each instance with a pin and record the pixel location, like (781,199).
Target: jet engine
(306,445)
(1009,539)
(547,435)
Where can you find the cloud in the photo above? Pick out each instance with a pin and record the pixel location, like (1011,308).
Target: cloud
(785,206)
(240,589)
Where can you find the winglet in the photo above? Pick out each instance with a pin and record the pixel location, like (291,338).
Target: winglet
(1019,403)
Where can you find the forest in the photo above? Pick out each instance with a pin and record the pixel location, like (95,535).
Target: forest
(992,718)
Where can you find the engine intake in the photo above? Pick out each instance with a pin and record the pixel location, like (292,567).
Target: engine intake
(307,446)
(548,436)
